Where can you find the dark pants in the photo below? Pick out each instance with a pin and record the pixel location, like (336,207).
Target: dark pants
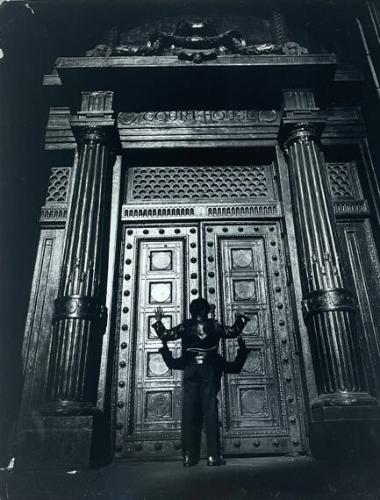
(200,404)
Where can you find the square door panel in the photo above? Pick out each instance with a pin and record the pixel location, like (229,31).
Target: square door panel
(158,405)
(242,258)
(161,260)
(253,326)
(253,402)
(156,367)
(160,293)
(254,364)
(245,290)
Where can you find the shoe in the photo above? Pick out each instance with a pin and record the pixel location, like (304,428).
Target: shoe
(215,460)
(189,461)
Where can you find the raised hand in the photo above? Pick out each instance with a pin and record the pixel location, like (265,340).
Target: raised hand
(159,314)
(242,317)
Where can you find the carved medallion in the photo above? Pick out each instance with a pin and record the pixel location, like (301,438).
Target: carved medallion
(161,261)
(253,401)
(160,293)
(244,290)
(254,362)
(158,405)
(242,258)
(252,327)
(156,365)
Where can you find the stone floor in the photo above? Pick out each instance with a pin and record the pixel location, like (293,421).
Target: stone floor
(241,479)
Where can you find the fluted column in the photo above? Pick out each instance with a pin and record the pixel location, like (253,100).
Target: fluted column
(329,307)
(80,314)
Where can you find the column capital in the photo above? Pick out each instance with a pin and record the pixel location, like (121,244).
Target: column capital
(95,122)
(301,120)
(95,131)
(300,131)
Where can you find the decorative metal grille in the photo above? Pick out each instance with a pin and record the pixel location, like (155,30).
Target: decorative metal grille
(341,182)
(189,183)
(58,185)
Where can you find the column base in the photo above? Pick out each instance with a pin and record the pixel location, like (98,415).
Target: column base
(341,433)
(69,408)
(343,399)
(59,442)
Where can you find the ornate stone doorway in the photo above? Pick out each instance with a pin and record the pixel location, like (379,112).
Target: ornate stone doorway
(235,256)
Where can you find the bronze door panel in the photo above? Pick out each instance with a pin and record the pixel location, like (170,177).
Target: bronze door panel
(149,417)
(245,272)
(242,271)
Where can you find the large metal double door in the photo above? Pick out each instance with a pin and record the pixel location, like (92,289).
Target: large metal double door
(238,268)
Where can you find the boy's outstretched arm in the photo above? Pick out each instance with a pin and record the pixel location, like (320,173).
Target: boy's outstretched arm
(235,330)
(163,333)
(236,366)
(170,362)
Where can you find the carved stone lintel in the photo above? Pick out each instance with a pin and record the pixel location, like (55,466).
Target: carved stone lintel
(328,300)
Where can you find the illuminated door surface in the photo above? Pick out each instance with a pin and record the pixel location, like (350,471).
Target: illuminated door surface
(239,268)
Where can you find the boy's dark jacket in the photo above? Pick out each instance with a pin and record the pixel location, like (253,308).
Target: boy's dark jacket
(222,366)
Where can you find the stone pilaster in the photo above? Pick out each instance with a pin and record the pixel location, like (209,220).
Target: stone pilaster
(80,314)
(73,427)
(329,307)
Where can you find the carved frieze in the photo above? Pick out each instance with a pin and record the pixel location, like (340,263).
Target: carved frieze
(202,211)
(165,127)
(198,117)
(351,208)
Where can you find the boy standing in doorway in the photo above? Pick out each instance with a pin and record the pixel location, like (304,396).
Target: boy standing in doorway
(201,382)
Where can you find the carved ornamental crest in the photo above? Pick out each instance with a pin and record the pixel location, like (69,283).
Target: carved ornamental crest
(196,42)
